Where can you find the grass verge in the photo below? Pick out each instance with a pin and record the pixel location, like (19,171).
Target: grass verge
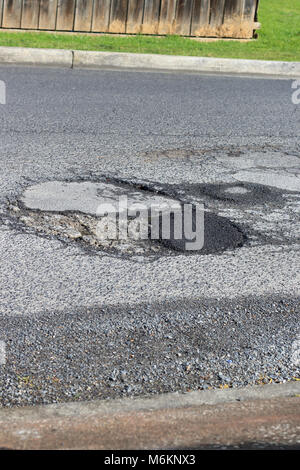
(279,39)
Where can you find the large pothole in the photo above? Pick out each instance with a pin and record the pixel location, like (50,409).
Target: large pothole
(83,212)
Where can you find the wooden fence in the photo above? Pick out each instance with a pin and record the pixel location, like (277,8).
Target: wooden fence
(208,18)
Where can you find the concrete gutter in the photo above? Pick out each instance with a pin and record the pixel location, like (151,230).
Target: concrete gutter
(265,416)
(101,60)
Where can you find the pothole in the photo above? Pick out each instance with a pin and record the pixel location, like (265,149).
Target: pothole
(239,193)
(106,216)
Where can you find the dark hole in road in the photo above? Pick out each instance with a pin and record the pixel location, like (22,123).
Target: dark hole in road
(219,234)
(239,193)
(70,211)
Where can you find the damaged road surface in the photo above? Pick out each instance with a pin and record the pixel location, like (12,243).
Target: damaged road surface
(71,211)
(86,316)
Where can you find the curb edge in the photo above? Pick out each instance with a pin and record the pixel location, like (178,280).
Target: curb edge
(154,62)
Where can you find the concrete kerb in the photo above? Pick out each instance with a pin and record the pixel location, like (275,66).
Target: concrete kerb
(182,63)
(99,60)
(266,414)
(173,400)
(30,56)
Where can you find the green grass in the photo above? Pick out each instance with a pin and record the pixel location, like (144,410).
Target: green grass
(279,39)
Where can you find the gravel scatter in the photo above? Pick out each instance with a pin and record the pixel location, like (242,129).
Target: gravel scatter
(121,351)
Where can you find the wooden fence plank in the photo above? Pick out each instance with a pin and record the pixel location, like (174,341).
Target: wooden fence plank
(12,10)
(216,13)
(47,18)
(30,14)
(167,17)
(1,10)
(233,19)
(135,16)
(184,17)
(83,15)
(230,8)
(200,18)
(65,15)
(151,17)
(118,14)
(249,9)
(248,18)
(101,13)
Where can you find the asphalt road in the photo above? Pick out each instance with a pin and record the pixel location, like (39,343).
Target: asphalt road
(82,324)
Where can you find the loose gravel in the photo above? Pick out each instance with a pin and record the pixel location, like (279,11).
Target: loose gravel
(114,352)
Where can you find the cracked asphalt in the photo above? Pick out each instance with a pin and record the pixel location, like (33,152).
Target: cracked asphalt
(80,324)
